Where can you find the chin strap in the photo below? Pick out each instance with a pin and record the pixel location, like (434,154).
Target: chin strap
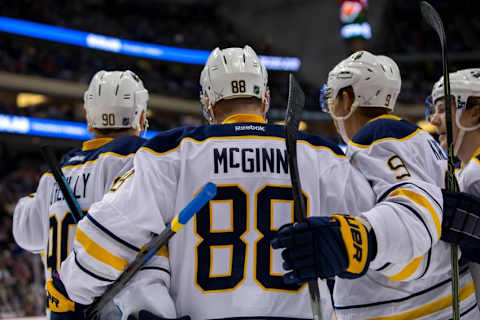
(462,131)
(340,120)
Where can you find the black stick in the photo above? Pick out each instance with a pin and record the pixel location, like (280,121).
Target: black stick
(432,17)
(75,209)
(296,101)
(207,193)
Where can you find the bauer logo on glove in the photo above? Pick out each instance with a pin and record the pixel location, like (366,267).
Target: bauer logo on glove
(339,245)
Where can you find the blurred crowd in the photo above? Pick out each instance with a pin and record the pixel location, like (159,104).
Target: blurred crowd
(21,273)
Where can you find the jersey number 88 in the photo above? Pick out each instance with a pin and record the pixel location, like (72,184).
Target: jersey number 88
(232,239)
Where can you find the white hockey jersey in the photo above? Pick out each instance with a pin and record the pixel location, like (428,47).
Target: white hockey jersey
(221,264)
(42,223)
(410,275)
(469,182)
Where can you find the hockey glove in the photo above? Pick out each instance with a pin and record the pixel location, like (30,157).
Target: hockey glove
(339,245)
(146,315)
(58,302)
(461,222)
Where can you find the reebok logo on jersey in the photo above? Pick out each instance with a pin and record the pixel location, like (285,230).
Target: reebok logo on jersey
(250,127)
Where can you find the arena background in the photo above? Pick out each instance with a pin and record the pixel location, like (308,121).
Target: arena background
(44,72)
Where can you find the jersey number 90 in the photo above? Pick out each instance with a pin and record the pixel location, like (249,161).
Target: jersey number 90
(232,239)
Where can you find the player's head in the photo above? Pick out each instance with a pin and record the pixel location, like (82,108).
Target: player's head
(233,76)
(465,106)
(361,85)
(116,103)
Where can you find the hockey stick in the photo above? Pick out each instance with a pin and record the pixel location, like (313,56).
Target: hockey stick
(296,101)
(432,17)
(62,182)
(207,193)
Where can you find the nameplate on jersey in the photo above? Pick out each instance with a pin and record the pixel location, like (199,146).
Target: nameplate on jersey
(252,160)
(78,184)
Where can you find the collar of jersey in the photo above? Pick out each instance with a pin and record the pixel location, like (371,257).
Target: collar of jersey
(238,118)
(385,116)
(95,143)
(476,153)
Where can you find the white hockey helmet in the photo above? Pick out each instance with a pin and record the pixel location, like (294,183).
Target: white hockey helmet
(463,85)
(232,73)
(115,99)
(375,81)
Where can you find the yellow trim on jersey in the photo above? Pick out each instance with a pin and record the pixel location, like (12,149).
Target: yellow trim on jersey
(162,252)
(476,154)
(95,160)
(421,201)
(244,117)
(385,116)
(363,146)
(432,307)
(408,270)
(237,137)
(95,143)
(99,253)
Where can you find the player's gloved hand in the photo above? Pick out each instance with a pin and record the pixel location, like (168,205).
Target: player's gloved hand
(146,315)
(461,219)
(461,223)
(338,245)
(58,302)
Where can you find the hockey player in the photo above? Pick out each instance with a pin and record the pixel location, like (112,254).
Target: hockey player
(115,105)
(406,273)
(465,108)
(222,264)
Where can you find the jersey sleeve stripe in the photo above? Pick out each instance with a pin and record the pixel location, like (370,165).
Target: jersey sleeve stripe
(408,270)
(99,253)
(421,201)
(156,268)
(419,218)
(91,274)
(162,252)
(429,256)
(432,307)
(111,234)
(386,193)
(463,272)
(383,267)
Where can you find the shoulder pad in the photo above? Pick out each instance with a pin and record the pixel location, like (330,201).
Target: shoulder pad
(383,129)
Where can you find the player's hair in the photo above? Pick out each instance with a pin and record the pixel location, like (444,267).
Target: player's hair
(370,112)
(113,131)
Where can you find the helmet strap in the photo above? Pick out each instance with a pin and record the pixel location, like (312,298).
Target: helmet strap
(341,120)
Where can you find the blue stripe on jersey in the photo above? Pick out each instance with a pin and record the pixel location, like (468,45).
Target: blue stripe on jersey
(91,274)
(156,268)
(168,140)
(383,128)
(419,218)
(124,145)
(111,234)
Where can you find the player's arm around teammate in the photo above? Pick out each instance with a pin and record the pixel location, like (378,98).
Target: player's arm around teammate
(396,243)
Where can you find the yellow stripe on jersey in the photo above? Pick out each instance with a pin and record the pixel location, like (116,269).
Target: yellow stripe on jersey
(364,146)
(99,253)
(162,252)
(95,143)
(237,137)
(421,201)
(249,118)
(409,269)
(95,160)
(432,307)
(385,116)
